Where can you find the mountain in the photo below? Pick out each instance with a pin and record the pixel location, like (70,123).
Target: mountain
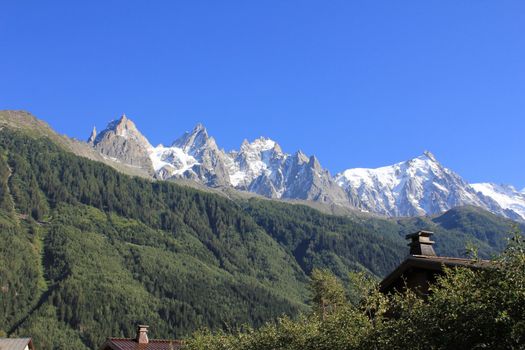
(121,141)
(419,186)
(88,252)
(506,196)
(261,158)
(263,168)
(195,156)
(259,167)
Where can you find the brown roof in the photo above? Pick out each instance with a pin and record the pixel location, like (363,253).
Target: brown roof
(131,344)
(434,263)
(15,343)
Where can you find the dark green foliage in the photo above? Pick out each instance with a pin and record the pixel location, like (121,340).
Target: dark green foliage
(87,252)
(467,309)
(19,271)
(328,294)
(476,223)
(337,243)
(6,203)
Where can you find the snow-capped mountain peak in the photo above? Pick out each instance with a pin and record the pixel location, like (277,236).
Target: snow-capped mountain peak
(260,144)
(195,156)
(414,187)
(261,156)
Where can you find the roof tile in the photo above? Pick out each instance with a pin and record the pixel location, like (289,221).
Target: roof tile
(153,344)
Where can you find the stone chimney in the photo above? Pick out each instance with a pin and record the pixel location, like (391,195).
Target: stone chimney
(421,244)
(142,334)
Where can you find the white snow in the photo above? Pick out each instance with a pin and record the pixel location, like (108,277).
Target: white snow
(172,158)
(420,185)
(505,195)
(253,160)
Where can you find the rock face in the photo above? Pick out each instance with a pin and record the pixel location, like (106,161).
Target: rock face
(258,167)
(195,156)
(307,180)
(262,167)
(122,141)
(419,186)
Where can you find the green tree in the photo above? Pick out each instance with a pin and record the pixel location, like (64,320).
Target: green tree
(328,293)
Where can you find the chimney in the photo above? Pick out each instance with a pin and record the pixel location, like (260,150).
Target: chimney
(142,334)
(421,243)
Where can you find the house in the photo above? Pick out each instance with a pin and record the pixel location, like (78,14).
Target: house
(421,268)
(141,342)
(16,344)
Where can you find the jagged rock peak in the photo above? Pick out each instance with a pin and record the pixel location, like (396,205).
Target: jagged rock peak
(261,144)
(430,156)
(199,127)
(301,157)
(126,128)
(93,136)
(122,125)
(313,162)
(197,138)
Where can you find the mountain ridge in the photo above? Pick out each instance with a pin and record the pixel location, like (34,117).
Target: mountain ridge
(261,169)
(418,186)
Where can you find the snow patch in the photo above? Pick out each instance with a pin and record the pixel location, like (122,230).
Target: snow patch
(173,158)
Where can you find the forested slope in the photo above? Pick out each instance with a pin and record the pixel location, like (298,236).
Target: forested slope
(87,252)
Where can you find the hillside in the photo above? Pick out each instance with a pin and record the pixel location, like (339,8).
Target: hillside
(21,120)
(87,252)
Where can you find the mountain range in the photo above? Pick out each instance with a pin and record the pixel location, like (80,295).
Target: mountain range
(88,251)
(419,186)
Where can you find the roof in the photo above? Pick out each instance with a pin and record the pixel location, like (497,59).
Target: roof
(131,344)
(15,343)
(434,263)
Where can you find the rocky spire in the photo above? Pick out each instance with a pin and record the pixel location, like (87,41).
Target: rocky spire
(93,136)
(314,163)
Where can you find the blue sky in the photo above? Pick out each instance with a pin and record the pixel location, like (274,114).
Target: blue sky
(358,83)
